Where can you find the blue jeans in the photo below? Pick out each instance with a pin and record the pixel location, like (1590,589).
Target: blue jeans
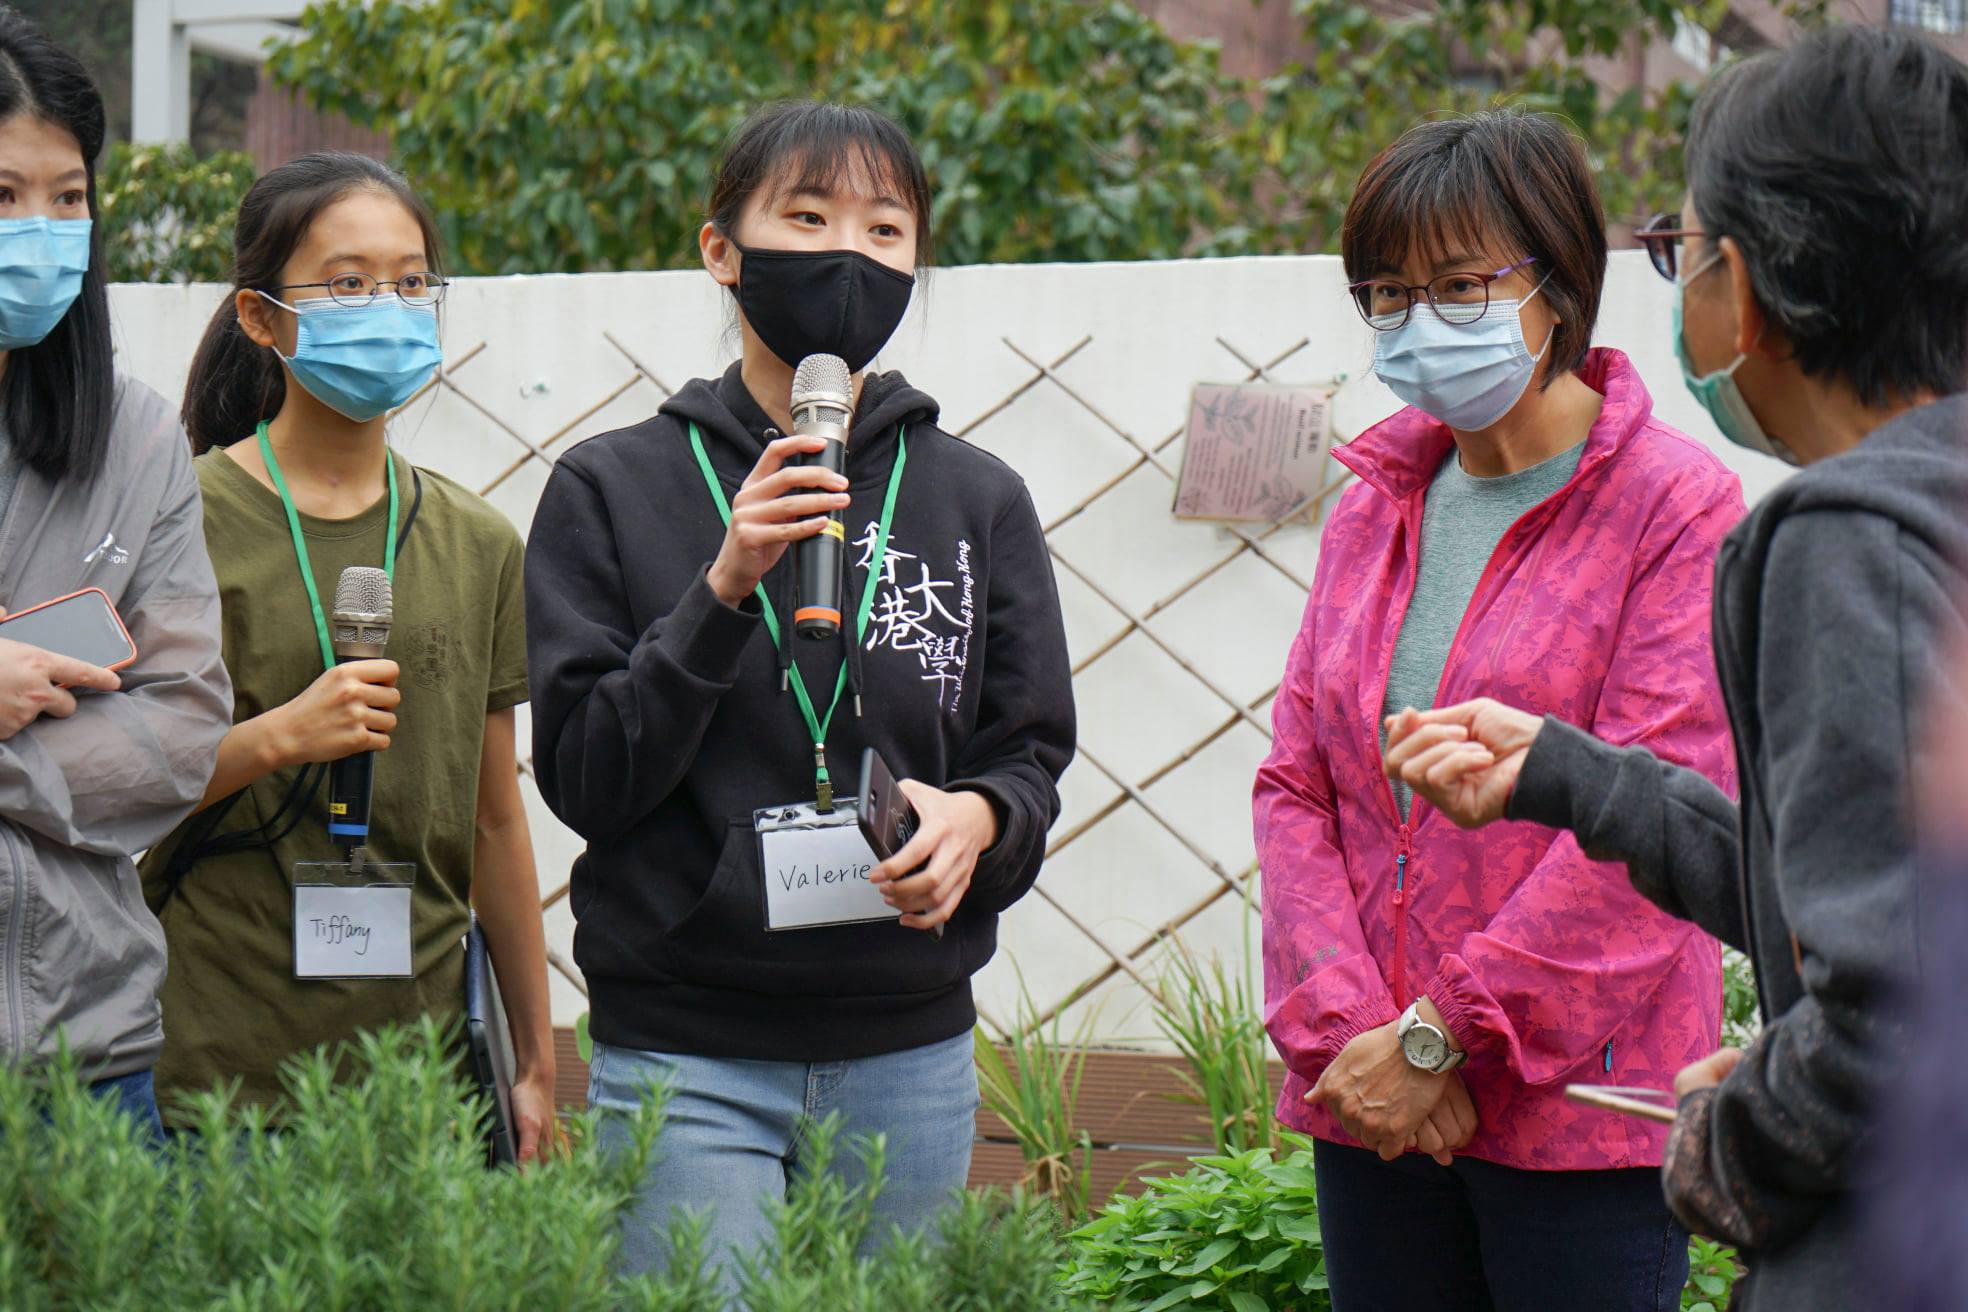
(1412,1236)
(735,1135)
(136,1096)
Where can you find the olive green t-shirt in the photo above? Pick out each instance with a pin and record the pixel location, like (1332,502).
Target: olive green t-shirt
(232,1007)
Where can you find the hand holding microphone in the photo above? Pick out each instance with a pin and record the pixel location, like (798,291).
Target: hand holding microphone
(349,709)
(781,503)
(795,494)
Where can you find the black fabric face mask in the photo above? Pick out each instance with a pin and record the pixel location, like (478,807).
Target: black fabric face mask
(803,303)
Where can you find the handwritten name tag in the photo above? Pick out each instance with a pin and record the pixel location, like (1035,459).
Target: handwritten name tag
(816,869)
(352,930)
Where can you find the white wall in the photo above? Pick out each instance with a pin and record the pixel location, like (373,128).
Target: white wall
(547,361)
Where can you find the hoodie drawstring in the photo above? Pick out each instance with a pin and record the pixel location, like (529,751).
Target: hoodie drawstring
(853,657)
(782,605)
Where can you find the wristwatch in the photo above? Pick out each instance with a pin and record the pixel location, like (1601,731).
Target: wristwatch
(1426,1047)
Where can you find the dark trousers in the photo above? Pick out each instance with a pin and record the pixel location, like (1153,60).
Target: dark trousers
(1412,1236)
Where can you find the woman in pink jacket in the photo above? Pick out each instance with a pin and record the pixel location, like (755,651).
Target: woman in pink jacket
(1523,530)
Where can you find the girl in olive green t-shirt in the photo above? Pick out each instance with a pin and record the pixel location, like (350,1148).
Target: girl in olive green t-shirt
(333,324)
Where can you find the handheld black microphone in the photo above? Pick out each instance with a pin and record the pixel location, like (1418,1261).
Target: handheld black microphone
(823,406)
(364,608)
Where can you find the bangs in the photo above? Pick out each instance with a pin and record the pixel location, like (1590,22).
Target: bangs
(1429,203)
(843,166)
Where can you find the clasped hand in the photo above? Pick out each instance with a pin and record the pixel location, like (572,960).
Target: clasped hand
(1389,1104)
(1464,760)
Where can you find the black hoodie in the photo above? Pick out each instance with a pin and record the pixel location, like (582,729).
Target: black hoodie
(660,724)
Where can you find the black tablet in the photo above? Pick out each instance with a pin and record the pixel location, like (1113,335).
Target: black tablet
(491,1046)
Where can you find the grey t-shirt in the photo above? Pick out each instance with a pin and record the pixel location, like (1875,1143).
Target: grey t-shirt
(1464,519)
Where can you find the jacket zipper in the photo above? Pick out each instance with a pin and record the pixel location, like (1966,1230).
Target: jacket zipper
(1745,890)
(1401,860)
(16,1025)
(1412,524)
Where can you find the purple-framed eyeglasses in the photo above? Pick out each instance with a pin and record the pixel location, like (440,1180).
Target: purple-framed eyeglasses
(1386,303)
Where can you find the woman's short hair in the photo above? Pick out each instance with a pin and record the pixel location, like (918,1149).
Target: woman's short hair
(1509,181)
(1840,167)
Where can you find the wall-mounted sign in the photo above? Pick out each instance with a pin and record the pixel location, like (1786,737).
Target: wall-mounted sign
(1254,452)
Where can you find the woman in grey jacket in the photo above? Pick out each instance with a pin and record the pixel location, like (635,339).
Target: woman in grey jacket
(96,491)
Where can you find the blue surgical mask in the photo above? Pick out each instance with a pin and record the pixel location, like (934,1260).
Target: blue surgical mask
(1718,392)
(1468,375)
(363,360)
(42,261)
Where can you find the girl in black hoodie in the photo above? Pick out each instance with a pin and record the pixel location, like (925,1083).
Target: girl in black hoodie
(668,695)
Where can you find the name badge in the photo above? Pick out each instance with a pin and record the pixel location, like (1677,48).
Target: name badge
(817,868)
(350,923)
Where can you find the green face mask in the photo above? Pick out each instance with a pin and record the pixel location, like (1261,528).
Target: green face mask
(1718,392)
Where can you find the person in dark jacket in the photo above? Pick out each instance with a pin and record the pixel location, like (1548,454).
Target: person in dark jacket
(1916,1213)
(1822,281)
(679,724)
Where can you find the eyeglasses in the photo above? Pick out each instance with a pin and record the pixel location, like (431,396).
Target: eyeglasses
(1386,303)
(359,289)
(1662,236)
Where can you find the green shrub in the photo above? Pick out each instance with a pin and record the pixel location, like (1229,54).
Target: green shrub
(1740,1020)
(375,1198)
(1036,1091)
(1712,1275)
(1206,1010)
(1238,1232)
(167,214)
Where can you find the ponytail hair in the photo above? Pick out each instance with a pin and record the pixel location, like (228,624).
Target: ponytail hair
(235,382)
(59,395)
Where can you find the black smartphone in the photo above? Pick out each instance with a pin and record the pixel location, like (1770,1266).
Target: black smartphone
(83,626)
(887,819)
(888,822)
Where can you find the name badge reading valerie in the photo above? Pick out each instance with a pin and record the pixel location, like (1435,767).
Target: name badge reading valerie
(350,923)
(816,868)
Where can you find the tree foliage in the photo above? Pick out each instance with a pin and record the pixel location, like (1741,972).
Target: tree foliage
(168,214)
(575,135)
(582,134)
(1378,71)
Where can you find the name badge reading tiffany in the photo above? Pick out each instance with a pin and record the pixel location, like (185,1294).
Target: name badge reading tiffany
(352,923)
(816,868)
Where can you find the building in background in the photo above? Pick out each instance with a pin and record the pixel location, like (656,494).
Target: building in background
(277,125)
(1260,39)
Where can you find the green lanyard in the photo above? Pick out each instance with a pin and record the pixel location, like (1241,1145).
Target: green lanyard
(300,543)
(823,786)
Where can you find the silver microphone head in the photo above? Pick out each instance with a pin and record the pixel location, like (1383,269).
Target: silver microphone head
(364,608)
(823,377)
(823,395)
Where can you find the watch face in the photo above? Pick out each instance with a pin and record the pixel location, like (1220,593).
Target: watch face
(1425,1048)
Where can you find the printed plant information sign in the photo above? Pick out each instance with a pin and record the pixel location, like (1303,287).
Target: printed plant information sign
(1255,452)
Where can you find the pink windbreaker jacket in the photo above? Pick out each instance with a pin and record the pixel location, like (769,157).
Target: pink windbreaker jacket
(1547,965)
